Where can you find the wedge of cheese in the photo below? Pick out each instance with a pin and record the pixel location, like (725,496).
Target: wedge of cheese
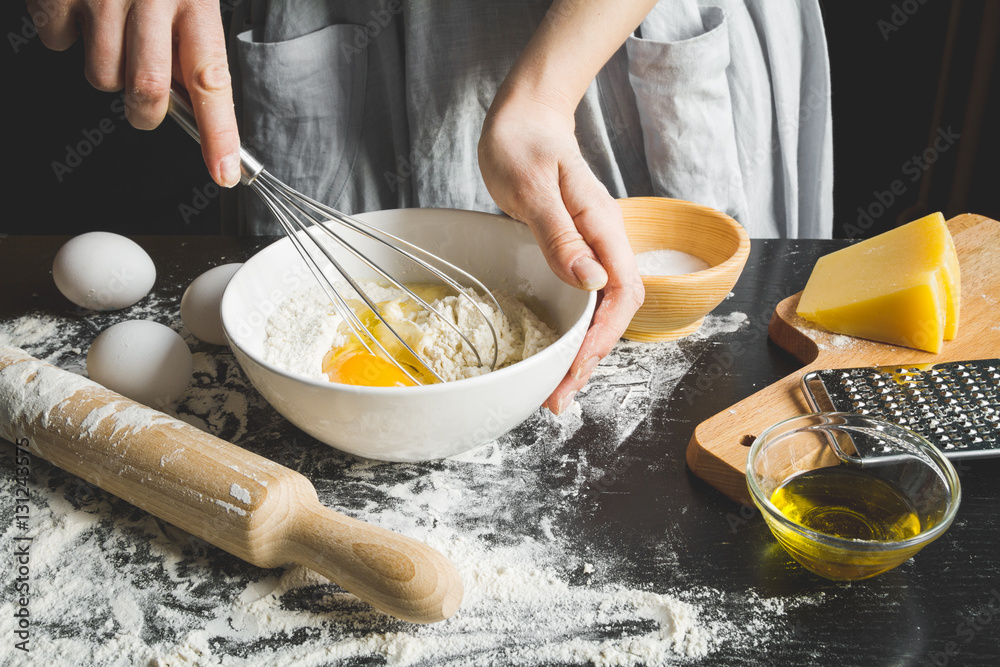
(901,287)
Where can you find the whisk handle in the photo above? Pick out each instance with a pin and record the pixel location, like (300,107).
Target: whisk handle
(180,110)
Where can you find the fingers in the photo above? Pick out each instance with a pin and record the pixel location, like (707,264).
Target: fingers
(56,21)
(521,161)
(564,247)
(533,169)
(598,220)
(148,62)
(614,311)
(596,216)
(104,41)
(580,230)
(205,72)
(131,44)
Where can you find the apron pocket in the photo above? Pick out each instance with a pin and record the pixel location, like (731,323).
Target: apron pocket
(682,93)
(302,109)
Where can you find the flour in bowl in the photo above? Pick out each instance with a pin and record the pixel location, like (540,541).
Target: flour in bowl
(304,329)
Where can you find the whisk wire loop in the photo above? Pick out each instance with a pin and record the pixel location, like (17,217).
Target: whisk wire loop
(294,228)
(325,227)
(388,241)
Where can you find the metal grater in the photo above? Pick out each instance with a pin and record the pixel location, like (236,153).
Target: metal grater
(956,405)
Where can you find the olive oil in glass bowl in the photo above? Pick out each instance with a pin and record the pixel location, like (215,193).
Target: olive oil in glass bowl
(843,516)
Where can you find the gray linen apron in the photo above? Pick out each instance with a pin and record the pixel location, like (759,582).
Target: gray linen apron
(378,104)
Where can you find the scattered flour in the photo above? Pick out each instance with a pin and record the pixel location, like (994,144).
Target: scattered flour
(825,340)
(214,402)
(31,330)
(842,341)
(306,326)
(50,338)
(114,586)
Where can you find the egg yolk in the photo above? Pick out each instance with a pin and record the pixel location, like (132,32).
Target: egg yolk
(361,367)
(352,364)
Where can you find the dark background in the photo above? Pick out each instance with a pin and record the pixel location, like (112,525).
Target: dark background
(903,71)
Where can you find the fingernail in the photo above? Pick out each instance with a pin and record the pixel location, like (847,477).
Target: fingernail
(591,275)
(231,170)
(586,368)
(565,402)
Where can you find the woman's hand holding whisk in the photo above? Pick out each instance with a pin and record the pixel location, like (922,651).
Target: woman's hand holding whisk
(529,156)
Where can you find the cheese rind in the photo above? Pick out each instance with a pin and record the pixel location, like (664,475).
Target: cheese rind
(901,287)
(953,282)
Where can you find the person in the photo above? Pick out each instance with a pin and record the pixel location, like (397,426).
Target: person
(544,111)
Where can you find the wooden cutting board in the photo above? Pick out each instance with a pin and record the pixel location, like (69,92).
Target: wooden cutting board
(718,449)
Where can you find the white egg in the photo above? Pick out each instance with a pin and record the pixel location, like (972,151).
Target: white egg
(200,304)
(143,360)
(103,271)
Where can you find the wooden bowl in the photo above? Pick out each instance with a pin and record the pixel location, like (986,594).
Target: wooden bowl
(676,306)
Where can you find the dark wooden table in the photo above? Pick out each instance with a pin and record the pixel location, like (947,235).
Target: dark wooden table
(642,509)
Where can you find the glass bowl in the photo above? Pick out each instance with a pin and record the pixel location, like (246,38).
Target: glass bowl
(860,495)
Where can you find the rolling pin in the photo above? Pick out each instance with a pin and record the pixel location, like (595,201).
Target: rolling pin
(255,509)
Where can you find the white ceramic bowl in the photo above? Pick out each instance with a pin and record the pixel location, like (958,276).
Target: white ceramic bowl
(413,423)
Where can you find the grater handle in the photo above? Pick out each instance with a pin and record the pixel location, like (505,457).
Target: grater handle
(818,399)
(815,393)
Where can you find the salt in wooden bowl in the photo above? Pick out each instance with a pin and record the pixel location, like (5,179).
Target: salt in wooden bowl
(676,306)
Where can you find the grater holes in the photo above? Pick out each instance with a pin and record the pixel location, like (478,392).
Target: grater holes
(953,404)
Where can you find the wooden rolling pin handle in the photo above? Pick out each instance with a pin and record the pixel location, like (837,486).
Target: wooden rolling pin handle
(238,501)
(392,572)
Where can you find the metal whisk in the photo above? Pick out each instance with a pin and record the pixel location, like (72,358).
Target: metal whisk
(306,222)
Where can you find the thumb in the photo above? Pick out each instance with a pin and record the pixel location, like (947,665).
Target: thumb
(552,221)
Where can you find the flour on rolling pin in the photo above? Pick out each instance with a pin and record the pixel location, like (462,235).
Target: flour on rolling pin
(37,393)
(45,388)
(37,399)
